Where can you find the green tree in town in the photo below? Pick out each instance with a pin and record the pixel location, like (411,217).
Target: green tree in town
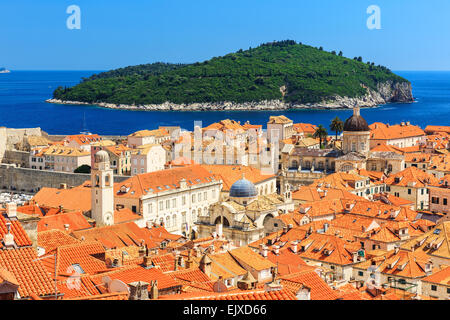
(320,133)
(337,126)
(83,169)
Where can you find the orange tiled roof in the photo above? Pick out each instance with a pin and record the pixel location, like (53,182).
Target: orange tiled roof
(105,296)
(308,194)
(435,242)
(78,198)
(387,148)
(51,239)
(251,258)
(75,220)
(434,129)
(82,254)
(282,294)
(131,274)
(413,176)
(193,277)
(440,277)
(21,238)
(125,215)
(162,180)
(381,131)
(124,234)
(327,248)
(29,272)
(83,139)
(229,174)
(147,133)
(305,128)
(309,278)
(287,261)
(403,263)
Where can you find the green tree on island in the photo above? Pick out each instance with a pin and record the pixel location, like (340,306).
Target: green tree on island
(337,126)
(320,133)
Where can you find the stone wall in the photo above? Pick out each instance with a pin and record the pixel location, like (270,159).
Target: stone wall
(20,158)
(30,180)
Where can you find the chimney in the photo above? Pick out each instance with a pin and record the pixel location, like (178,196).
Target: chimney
(138,290)
(290,226)
(294,246)
(183,183)
(11,210)
(149,224)
(285,229)
(396,250)
(205,265)
(189,261)
(61,208)
(147,262)
(8,239)
(175,267)
(264,251)
(325,227)
(63,186)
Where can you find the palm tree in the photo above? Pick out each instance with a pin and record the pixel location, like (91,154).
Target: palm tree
(337,126)
(320,133)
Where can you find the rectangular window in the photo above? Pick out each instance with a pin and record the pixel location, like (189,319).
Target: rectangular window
(205,195)
(360,273)
(193,198)
(409,191)
(167,204)
(150,208)
(174,203)
(444,201)
(161,205)
(433,288)
(183,201)
(199,197)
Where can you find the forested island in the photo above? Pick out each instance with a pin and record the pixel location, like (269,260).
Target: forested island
(275,75)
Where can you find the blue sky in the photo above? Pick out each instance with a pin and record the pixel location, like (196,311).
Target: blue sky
(414,36)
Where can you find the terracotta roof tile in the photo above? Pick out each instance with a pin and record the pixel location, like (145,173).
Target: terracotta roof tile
(23,263)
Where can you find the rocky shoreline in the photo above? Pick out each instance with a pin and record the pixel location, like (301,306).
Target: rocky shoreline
(386,92)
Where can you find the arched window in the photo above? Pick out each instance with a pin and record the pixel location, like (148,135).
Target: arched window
(97,180)
(168,221)
(294,164)
(307,164)
(107,180)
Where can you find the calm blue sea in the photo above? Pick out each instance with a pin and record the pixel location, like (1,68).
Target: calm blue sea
(22,96)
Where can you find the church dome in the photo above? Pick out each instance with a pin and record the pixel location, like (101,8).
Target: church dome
(243,189)
(101,156)
(356,122)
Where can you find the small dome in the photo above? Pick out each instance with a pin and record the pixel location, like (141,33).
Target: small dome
(356,122)
(243,189)
(101,156)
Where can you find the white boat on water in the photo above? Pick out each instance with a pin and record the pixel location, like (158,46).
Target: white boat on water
(3,70)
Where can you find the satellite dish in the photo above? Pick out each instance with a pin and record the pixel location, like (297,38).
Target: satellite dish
(118,286)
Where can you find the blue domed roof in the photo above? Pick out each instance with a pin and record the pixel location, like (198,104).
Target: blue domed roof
(243,189)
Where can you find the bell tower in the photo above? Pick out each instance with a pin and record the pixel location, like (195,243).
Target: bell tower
(102,188)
